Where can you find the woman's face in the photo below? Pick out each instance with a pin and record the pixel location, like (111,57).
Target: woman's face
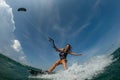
(67,47)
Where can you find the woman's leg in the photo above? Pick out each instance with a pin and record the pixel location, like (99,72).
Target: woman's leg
(64,63)
(53,66)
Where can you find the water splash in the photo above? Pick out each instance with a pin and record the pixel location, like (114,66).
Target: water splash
(83,71)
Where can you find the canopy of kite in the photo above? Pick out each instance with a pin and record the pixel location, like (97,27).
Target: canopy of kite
(22,9)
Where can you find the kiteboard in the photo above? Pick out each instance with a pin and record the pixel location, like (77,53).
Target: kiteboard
(39,72)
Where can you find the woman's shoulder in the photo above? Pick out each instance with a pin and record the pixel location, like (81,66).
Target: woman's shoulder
(62,49)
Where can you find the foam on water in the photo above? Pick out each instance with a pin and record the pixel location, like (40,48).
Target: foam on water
(83,71)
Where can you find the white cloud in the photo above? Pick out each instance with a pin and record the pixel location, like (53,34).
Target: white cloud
(9,46)
(94,50)
(80,29)
(16,45)
(23,59)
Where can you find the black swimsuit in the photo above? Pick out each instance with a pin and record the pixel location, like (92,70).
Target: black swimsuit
(62,55)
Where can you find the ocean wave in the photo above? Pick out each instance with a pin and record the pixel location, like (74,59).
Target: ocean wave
(84,71)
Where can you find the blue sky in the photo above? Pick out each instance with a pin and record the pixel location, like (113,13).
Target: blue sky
(90,26)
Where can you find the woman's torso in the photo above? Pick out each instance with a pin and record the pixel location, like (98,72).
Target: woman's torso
(62,54)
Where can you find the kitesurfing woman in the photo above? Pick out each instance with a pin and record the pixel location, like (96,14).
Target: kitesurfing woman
(62,54)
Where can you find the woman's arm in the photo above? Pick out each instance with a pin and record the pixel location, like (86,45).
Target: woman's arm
(72,53)
(54,46)
(58,50)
